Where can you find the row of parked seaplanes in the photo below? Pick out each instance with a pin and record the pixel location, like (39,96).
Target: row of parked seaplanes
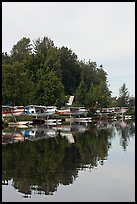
(112,111)
(34,110)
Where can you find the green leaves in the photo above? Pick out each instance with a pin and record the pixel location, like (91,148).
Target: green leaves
(44,74)
(48,90)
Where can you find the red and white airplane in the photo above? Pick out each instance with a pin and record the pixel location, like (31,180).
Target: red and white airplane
(9,111)
(73,111)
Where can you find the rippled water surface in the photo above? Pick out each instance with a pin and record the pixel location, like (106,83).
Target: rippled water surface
(74,163)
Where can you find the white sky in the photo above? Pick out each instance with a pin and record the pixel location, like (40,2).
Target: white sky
(103,32)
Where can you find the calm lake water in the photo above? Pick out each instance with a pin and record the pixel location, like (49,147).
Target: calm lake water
(74,163)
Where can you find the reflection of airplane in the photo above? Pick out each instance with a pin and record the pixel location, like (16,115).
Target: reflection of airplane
(35,133)
(42,132)
(20,124)
(45,132)
(79,120)
(102,124)
(68,131)
(39,132)
(72,111)
(11,137)
(120,124)
(52,121)
(121,110)
(70,128)
(40,111)
(9,111)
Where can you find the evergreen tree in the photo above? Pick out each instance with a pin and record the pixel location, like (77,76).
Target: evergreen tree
(21,50)
(123,99)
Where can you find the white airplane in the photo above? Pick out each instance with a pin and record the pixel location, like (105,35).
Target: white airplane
(39,110)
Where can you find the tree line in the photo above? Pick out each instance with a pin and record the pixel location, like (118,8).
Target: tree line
(41,73)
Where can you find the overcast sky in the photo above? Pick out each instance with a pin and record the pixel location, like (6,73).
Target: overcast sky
(103,32)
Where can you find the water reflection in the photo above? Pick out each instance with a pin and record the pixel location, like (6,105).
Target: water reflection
(12,135)
(39,159)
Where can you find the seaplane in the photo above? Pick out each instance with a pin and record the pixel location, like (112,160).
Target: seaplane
(112,111)
(120,110)
(39,110)
(11,111)
(73,111)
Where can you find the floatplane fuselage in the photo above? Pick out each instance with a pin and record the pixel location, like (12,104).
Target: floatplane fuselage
(39,110)
(72,111)
(10,111)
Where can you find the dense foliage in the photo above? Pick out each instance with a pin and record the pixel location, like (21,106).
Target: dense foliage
(41,73)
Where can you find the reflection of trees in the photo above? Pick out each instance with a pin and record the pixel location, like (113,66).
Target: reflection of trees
(34,163)
(94,146)
(43,165)
(126,133)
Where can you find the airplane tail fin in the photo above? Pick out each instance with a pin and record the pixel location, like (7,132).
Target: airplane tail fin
(70,101)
